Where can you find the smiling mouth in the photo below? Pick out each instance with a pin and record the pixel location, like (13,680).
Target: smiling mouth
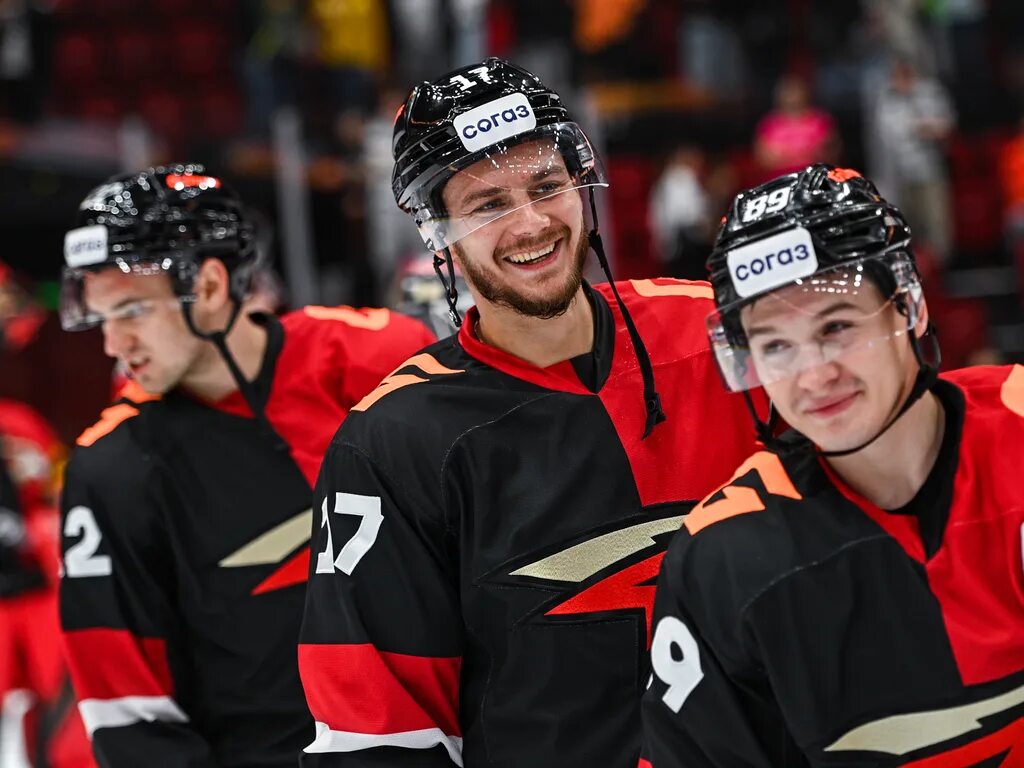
(833,406)
(532,257)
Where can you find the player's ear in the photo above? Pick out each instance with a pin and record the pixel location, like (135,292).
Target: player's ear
(212,284)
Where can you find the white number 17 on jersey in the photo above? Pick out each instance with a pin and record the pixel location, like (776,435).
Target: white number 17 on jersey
(365,507)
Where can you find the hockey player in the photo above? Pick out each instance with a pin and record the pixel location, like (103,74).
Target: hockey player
(494,513)
(186,509)
(854,595)
(39,725)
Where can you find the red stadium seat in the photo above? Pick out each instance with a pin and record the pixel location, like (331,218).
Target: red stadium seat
(76,60)
(136,55)
(199,49)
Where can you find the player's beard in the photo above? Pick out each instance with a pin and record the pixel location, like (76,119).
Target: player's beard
(543,308)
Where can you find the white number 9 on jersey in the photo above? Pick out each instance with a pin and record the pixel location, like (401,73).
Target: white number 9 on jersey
(676,661)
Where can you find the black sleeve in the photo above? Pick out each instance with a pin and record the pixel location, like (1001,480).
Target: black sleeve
(118,626)
(694,713)
(381,645)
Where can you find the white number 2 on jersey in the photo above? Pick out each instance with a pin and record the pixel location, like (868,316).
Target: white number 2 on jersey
(681,675)
(81,560)
(365,507)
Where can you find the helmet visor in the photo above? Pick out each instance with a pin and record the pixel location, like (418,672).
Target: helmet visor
(834,316)
(77,315)
(502,179)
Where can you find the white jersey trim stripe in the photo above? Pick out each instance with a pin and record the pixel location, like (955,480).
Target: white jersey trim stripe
(115,713)
(343,741)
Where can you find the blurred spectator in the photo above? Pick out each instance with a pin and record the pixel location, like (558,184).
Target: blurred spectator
(711,55)
(963,53)
(469,19)
(389,239)
(274,40)
(679,215)
(420,28)
(352,47)
(912,119)
(794,134)
(1011,177)
(897,23)
(24,58)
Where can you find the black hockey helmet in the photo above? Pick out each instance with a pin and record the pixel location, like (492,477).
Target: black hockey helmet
(821,230)
(469,114)
(166,219)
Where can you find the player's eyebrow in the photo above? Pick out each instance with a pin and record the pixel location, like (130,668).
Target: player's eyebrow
(487,192)
(763,330)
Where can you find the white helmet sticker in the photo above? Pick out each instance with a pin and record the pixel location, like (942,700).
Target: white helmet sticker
(495,121)
(772,262)
(85,246)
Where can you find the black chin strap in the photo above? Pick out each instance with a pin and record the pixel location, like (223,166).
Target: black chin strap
(652,400)
(219,339)
(451,293)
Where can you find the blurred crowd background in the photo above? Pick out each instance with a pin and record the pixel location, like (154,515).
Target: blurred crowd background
(688,100)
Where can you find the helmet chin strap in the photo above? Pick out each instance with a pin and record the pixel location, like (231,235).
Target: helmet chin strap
(219,339)
(655,414)
(451,293)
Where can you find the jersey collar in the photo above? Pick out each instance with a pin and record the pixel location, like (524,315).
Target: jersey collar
(561,376)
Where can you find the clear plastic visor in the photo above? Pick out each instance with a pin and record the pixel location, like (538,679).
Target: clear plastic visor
(502,180)
(835,316)
(77,315)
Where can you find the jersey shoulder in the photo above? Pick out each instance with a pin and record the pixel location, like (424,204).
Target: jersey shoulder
(353,347)
(992,389)
(110,469)
(669,313)
(431,399)
(359,326)
(774,517)
(111,444)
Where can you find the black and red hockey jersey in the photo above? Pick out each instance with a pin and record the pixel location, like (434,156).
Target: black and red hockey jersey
(185,548)
(798,624)
(39,724)
(483,576)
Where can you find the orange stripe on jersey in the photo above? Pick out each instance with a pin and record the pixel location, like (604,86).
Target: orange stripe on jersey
(1012,392)
(395,381)
(114,663)
(427,364)
(370,319)
(739,499)
(386,387)
(133,391)
(359,689)
(115,414)
(109,419)
(673,287)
